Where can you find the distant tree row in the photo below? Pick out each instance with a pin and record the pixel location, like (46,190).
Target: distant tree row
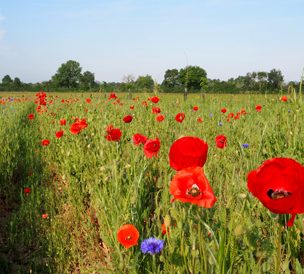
(190,79)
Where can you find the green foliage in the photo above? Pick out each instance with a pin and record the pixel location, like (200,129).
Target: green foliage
(90,187)
(68,75)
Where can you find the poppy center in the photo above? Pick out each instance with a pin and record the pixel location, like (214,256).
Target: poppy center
(129,237)
(194,191)
(278,194)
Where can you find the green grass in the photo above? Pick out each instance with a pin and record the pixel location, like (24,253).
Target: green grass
(89,187)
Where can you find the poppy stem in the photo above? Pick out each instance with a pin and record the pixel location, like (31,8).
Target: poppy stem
(291,220)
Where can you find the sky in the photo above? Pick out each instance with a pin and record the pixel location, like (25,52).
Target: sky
(115,38)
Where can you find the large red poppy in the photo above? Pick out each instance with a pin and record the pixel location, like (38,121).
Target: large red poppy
(59,134)
(279,184)
(190,185)
(128,235)
(151,147)
(187,152)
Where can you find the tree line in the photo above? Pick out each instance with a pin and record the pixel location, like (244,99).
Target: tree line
(69,77)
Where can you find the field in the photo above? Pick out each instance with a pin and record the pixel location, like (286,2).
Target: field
(63,203)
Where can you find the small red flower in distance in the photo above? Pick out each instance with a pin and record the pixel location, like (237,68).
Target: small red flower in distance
(45,142)
(199,119)
(221,141)
(62,122)
(112,96)
(258,108)
(59,134)
(284,98)
(44,216)
(195,108)
(155,99)
(279,184)
(180,117)
(160,118)
(187,152)
(128,235)
(31,116)
(190,185)
(27,190)
(88,100)
(139,139)
(131,107)
(151,148)
(128,118)
(113,134)
(223,110)
(156,110)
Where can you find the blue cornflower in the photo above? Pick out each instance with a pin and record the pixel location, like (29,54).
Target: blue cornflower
(220,123)
(210,114)
(152,246)
(245,145)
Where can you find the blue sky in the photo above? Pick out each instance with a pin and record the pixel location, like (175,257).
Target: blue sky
(119,37)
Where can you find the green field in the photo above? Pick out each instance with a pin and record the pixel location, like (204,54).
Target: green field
(90,187)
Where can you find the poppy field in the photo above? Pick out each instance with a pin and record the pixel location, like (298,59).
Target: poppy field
(150,183)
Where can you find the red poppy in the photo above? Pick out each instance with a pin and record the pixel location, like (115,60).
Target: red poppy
(45,142)
(278,184)
(258,108)
(163,229)
(112,96)
(156,110)
(59,134)
(151,148)
(27,190)
(188,152)
(230,115)
(75,128)
(199,119)
(180,117)
(139,139)
(160,118)
(284,98)
(62,122)
(44,216)
(155,99)
(128,118)
(113,134)
(221,141)
(88,100)
(131,107)
(195,108)
(190,185)
(78,126)
(128,235)
(223,110)
(31,116)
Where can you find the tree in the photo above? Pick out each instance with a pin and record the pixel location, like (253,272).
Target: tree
(171,79)
(68,75)
(7,80)
(262,77)
(275,79)
(87,80)
(17,83)
(144,83)
(190,77)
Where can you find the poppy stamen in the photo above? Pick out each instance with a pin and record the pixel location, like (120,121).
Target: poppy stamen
(129,237)
(278,194)
(194,191)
